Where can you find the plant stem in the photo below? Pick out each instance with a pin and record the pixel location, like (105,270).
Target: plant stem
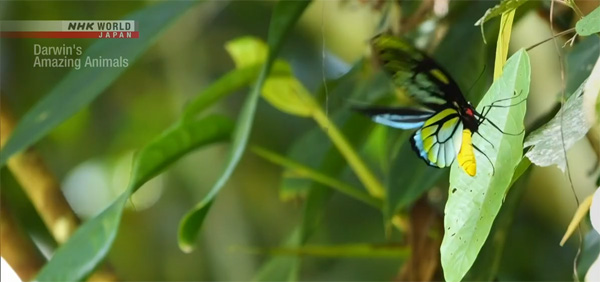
(365,175)
(316,176)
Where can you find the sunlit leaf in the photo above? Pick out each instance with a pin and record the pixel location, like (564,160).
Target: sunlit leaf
(288,95)
(506,23)
(590,24)
(579,215)
(80,87)
(312,147)
(284,16)
(487,264)
(248,67)
(247,51)
(474,202)
(548,142)
(80,255)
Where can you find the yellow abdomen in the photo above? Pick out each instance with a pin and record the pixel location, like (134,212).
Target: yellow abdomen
(466,157)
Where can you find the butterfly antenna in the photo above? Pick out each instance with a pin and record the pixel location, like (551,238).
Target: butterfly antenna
(480,151)
(478,77)
(486,109)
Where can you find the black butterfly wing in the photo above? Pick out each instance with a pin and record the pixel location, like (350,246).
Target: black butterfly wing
(421,76)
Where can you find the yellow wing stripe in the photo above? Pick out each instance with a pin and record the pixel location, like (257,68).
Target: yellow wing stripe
(466,157)
(439,116)
(439,75)
(428,131)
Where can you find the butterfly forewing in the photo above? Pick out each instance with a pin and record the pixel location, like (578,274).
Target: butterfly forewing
(418,74)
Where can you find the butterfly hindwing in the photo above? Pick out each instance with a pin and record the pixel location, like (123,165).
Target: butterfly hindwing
(439,140)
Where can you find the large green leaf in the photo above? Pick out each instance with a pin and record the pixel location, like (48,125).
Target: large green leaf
(474,202)
(580,61)
(487,264)
(78,257)
(284,16)
(590,24)
(80,87)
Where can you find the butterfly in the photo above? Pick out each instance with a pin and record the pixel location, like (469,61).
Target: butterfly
(445,122)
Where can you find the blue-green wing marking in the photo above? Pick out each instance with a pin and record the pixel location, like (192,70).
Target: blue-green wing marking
(402,118)
(438,141)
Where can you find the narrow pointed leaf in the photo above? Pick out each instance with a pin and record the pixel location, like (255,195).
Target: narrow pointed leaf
(285,15)
(80,255)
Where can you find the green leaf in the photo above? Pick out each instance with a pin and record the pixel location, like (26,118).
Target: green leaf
(590,252)
(80,87)
(284,16)
(503,7)
(547,141)
(246,51)
(225,85)
(487,264)
(590,24)
(288,95)
(311,148)
(80,255)
(580,62)
(474,202)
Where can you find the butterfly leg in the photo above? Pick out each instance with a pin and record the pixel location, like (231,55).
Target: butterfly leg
(493,168)
(483,118)
(477,132)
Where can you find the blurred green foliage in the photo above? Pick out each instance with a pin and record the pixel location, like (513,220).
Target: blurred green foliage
(165,101)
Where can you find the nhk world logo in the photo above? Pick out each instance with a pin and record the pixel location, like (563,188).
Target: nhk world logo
(69,29)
